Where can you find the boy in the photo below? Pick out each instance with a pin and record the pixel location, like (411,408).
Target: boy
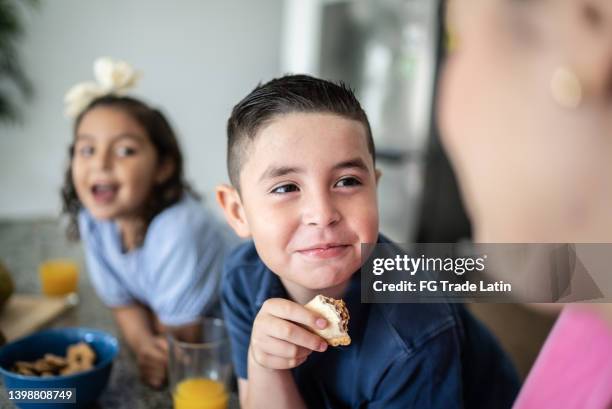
(301,164)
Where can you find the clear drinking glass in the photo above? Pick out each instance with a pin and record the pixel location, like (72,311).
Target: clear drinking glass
(200,372)
(59,277)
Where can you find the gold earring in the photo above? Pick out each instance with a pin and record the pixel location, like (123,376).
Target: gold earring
(566,88)
(452,40)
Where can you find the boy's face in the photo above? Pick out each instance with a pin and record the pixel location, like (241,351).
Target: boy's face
(308,197)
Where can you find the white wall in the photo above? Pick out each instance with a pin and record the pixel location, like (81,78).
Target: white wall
(198,57)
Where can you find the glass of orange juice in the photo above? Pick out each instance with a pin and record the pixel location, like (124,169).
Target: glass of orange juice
(200,371)
(59,277)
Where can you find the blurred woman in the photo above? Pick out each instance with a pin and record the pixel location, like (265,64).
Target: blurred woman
(526,117)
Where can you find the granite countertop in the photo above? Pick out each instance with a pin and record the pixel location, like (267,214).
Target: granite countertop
(23,245)
(124,388)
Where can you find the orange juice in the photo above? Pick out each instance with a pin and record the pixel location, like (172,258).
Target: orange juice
(59,277)
(200,393)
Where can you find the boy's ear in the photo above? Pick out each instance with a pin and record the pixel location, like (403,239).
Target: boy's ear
(164,171)
(377,175)
(231,203)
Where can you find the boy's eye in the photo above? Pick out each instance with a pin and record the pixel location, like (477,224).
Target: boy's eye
(125,151)
(85,151)
(288,188)
(348,181)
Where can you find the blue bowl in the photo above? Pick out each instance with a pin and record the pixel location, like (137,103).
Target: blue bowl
(88,385)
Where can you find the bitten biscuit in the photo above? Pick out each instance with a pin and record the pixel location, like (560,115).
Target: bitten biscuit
(336,314)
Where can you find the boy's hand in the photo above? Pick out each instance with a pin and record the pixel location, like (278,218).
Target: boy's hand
(152,357)
(277,341)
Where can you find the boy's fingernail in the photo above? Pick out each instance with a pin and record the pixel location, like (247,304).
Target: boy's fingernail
(323,346)
(321,323)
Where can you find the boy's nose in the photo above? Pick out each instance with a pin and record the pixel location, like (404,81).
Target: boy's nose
(320,211)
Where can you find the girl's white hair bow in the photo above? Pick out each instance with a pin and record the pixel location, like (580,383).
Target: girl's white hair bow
(112,77)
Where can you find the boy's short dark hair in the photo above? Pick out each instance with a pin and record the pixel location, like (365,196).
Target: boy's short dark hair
(285,95)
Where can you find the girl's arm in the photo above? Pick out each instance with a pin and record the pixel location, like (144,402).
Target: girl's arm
(184,333)
(135,321)
(151,348)
(145,335)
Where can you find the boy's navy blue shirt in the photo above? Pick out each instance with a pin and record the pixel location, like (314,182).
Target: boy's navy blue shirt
(401,355)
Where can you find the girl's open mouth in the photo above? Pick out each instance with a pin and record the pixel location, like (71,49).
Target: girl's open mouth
(104,193)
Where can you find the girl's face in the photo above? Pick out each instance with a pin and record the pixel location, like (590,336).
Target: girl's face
(114,166)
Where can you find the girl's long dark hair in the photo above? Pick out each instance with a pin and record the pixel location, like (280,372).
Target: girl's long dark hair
(166,145)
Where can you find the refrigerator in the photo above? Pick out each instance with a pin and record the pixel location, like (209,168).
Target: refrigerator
(390,53)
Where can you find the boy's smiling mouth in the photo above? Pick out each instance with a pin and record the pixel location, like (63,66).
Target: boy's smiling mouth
(104,193)
(324,250)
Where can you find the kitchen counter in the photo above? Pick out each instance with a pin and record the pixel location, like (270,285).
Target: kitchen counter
(23,245)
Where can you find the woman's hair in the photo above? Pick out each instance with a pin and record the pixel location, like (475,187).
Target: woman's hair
(164,141)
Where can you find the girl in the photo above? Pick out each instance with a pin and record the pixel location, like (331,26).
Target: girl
(154,254)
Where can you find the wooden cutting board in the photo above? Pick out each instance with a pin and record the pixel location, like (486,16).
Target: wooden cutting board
(25,313)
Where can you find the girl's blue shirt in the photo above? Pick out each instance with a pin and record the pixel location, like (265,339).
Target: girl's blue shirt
(177,270)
